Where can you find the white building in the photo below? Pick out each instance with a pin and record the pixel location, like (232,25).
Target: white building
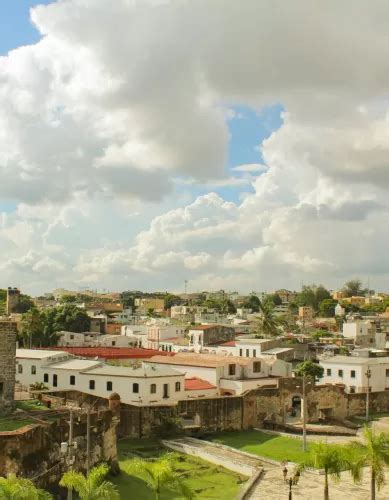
(351,372)
(339,310)
(138,385)
(230,374)
(364,333)
(156,334)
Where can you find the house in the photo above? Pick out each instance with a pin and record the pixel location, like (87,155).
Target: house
(77,339)
(144,304)
(250,347)
(205,335)
(230,374)
(158,333)
(286,295)
(306,313)
(352,373)
(364,333)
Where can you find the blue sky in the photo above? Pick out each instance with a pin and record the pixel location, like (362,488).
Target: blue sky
(15,26)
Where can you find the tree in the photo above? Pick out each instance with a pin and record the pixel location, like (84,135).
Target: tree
(172,300)
(18,488)
(252,303)
(312,295)
(31,328)
(92,487)
(373,453)
(269,325)
(159,474)
(354,288)
(309,369)
(331,458)
(327,308)
(24,304)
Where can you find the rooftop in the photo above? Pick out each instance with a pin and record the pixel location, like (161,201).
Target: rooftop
(204,327)
(113,352)
(197,384)
(356,360)
(194,359)
(39,353)
(139,371)
(75,364)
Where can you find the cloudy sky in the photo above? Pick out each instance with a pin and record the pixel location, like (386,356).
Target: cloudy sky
(236,145)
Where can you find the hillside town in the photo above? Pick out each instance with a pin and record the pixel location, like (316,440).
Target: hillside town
(183,367)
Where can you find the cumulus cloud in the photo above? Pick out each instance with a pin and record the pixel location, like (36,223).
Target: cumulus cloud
(124,104)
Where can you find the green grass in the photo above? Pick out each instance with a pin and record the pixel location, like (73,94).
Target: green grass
(12,424)
(266,445)
(28,405)
(206,480)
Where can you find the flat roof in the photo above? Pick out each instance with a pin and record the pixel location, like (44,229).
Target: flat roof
(356,360)
(136,372)
(39,353)
(277,350)
(206,360)
(114,352)
(75,364)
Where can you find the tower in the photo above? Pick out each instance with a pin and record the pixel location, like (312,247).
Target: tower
(13,296)
(8,332)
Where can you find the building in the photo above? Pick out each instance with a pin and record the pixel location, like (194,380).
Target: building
(306,313)
(232,375)
(13,298)
(364,333)
(354,300)
(339,310)
(286,295)
(338,295)
(8,331)
(158,333)
(206,335)
(140,384)
(352,373)
(145,304)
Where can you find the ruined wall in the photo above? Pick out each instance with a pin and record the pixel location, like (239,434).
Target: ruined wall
(8,332)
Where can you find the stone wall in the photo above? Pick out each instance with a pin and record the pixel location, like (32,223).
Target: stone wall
(8,332)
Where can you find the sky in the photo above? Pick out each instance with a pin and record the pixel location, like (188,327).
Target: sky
(240,146)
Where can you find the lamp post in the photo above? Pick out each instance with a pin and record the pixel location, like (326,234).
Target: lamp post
(304,418)
(290,488)
(368,376)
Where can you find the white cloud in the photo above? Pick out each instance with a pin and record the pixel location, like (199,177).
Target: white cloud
(97,124)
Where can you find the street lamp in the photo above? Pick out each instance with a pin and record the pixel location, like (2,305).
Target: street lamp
(368,376)
(304,411)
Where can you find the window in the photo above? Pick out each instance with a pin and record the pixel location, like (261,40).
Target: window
(256,366)
(55,380)
(340,373)
(387,372)
(72,380)
(329,372)
(71,337)
(153,388)
(109,385)
(254,353)
(91,384)
(20,369)
(178,386)
(247,353)
(113,343)
(352,374)
(352,389)
(240,352)
(165,391)
(33,370)
(135,388)
(45,377)
(231,369)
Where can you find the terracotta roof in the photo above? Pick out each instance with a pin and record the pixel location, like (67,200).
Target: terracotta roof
(113,352)
(194,359)
(197,384)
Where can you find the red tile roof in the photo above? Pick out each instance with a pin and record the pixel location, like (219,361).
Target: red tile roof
(197,384)
(230,343)
(112,352)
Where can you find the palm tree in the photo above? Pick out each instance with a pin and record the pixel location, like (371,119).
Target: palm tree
(92,487)
(160,473)
(19,488)
(331,458)
(373,453)
(268,322)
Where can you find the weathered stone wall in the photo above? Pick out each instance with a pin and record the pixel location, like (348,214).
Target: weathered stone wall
(8,332)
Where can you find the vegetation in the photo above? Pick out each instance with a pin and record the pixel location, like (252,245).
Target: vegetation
(268,323)
(168,428)
(309,369)
(205,480)
(353,288)
(159,474)
(327,308)
(12,424)
(333,459)
(17,488)
(374,454)
(92,487)
(312,295)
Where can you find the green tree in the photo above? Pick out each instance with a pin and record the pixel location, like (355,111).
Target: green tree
(268,323)
(25,304)
(252,303)
(331,458)
(31,328)
(71,318)
(18,488)
(172,300)
(354,288)
(160,474)
(374,454)
(312,295)
(309,369)
(92,487)
(327,308)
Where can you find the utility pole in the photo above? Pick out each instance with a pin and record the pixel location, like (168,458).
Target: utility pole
(88,441)
(368,375)
(304,418)
(70,447)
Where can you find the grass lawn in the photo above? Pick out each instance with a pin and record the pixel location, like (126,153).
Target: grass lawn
(12,424)
(260,443)
(30,404)
(207,481)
